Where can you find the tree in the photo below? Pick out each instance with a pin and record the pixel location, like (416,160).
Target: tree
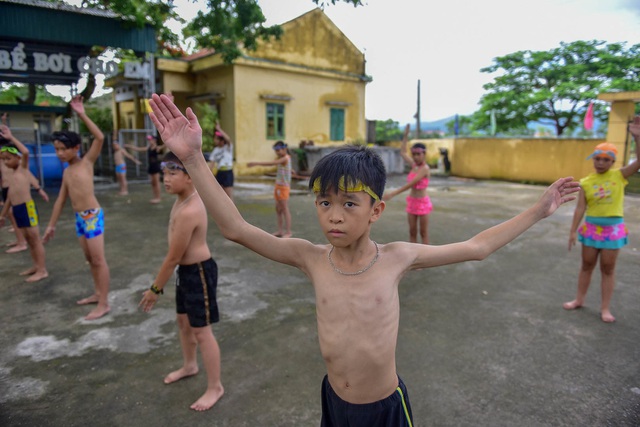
(388,130)
(555,87)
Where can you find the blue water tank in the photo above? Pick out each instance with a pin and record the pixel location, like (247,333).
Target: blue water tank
(52,167)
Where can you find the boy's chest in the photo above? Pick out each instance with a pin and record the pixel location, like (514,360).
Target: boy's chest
(78,171)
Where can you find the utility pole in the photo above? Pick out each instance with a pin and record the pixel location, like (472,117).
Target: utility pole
(417,116)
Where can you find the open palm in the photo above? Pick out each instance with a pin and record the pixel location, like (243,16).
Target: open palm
(182,134)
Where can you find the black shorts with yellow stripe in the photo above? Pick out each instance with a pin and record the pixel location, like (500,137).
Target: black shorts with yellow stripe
(196,287)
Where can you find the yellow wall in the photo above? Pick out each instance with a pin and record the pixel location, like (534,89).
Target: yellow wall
(536,160)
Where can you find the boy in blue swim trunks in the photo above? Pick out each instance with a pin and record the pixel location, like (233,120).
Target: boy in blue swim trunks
(77,185)
(16,157)
(119,154)
(196,282)
(354,278)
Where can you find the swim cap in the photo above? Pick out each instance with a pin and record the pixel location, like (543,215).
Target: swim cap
(606,149)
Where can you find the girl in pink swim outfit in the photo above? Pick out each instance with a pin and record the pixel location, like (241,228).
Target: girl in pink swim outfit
(418,202)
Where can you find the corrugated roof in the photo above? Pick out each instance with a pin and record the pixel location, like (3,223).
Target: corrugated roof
(64,7)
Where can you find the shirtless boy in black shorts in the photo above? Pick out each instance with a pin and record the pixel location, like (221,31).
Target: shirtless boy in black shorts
(195,285)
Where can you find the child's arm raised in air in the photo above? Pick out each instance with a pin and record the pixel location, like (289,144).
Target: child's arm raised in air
(488,241)
(98,137)
(633,167)
(183,136)
(24,151)
(130,156)
(403,147)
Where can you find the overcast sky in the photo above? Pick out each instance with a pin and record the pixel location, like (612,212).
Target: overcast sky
(445,43)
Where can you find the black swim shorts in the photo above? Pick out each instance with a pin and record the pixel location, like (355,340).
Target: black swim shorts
(196,287)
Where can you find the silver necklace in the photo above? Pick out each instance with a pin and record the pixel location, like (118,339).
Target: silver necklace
(337,270)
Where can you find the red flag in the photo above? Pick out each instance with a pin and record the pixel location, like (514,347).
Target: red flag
(588,117)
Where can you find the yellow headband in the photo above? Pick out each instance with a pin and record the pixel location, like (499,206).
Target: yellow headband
(359,186)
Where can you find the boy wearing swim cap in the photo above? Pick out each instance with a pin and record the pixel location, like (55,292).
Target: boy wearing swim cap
(355,279)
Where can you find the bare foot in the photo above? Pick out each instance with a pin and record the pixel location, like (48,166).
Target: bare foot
(93,299)
(37,276)
(154,201)
(286,235)
(277,234)
(180,374)
(607,317)
(28,272)
(208,399)
(16,249)
(11,244)
(571,305)
(97,313)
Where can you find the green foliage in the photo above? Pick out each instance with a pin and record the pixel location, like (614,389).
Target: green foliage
(387,130)
(101,116)
(555,87)
(19,93)
(207,117)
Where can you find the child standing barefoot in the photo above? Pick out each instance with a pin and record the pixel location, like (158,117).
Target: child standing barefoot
(418,202)
(195,285)
(355,279)
(77,185)
(282,188)
(604,231)
(119,154)
(16,158)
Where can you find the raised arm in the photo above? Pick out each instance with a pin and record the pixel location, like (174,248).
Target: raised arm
(77,105)
(5,132)
(223,134)
(488,241)
(633,167)
(183,136)
(403,146)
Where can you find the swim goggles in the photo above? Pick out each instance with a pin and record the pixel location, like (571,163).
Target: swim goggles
(172,166)
(359,186)
(12,150)
(608,153)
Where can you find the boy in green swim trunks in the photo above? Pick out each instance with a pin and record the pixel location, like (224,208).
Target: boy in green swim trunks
(16,157)
(355,279)
(196,282)
(77,185)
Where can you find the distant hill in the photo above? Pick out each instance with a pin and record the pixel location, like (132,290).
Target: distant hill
(436,125)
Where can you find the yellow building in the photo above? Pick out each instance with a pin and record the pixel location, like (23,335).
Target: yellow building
(309,85)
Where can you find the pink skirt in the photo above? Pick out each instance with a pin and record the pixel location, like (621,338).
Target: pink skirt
(419,205)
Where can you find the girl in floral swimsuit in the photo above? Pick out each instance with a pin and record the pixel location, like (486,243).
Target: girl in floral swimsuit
(603,232)
(418,202)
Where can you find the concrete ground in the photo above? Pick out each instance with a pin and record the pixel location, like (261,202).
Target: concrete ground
(480,344)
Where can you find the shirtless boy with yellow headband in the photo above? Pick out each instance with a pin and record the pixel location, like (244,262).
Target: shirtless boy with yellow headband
(355,279)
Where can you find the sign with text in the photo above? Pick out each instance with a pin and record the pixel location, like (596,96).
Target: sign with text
(49,64)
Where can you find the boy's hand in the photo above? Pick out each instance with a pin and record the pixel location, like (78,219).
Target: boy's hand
(558,194)
(183,135)
(77,104)
(43,194)
(148,301)
(48,234)
(5,132)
